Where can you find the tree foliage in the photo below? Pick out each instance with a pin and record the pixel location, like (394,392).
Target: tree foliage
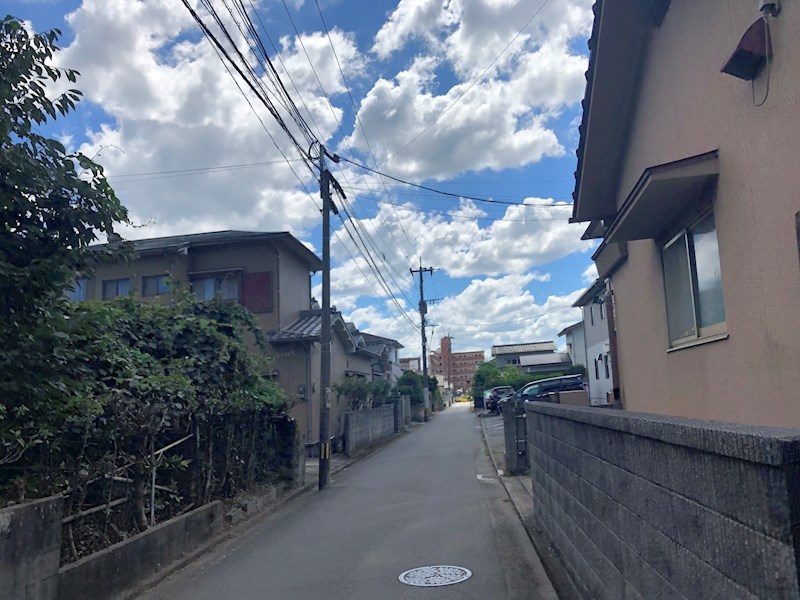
(488,376)
(53,204)
(90,391)
(410,384)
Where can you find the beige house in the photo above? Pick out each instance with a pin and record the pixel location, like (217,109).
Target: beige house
(299,345)
(268,273)
(691,178)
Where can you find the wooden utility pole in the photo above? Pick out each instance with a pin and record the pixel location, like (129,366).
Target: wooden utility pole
(423,310)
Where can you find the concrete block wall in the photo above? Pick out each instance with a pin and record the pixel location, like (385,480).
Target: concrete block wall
(30,549)
(647,506)
(368,427)
(516,447)
(106,573)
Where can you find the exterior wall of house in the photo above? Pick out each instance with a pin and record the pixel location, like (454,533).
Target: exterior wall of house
(598,355)
(687,107)
(293,286)
(576,346)
(297,367)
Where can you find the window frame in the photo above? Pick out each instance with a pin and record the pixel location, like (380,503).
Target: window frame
(701,334)
(115,281)
(79,290)
(221,276)
(161,279)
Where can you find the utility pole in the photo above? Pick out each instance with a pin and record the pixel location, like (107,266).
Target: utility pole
(423,310)
(325,327)
(450,364)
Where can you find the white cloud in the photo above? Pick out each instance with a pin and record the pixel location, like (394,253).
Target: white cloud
(411,19)
(171,105)
(503,310)
(500,122)
(590,274)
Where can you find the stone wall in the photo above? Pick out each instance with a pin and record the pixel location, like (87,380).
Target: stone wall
(645,506)
(368,427)
(113,570)
(30,549)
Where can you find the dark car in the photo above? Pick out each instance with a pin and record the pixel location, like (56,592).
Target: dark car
(538,390)
(497,394)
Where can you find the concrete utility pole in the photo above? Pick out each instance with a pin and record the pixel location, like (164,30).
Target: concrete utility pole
(325,327)
(423,310)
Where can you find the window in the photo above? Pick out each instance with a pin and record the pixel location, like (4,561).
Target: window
(78,291)
(693,283)
(206,287)
(113,288)
(591,313)
(155,285)
(596,369)
(605,363)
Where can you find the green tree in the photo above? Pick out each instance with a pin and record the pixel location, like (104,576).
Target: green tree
(410,384)
(486,377)
(53,204)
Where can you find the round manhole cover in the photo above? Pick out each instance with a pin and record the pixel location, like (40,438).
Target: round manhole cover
(435,576)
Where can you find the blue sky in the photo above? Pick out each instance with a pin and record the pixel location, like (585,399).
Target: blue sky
(477,98)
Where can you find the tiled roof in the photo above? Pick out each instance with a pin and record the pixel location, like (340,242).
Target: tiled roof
(173,242)
(306,328)
(370,339)
(658,10)
(555,358)
(529,348)
(569,328)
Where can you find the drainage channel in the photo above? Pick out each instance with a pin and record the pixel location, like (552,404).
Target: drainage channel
(435,576)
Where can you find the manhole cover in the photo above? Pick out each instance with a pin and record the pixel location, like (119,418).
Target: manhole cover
(435,576)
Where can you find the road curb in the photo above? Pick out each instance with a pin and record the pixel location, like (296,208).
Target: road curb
(551,561)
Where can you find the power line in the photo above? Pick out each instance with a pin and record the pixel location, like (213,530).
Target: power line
(440,192)
(339,125)
(358,120)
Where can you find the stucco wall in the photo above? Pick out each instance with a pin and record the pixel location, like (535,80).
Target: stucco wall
(687,107)
(644,506)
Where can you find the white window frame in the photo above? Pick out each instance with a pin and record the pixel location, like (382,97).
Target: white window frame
(709,332)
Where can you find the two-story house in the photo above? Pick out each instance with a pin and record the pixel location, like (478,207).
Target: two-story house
(589,341)
(534,358)
(268,273)
(688,171)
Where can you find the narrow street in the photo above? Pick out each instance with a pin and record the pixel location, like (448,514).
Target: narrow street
(429,498)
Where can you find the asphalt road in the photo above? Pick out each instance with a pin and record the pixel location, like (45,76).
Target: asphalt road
(429,498)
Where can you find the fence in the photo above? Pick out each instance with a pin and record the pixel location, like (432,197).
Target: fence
(92,523)
(368,427)
(645,506)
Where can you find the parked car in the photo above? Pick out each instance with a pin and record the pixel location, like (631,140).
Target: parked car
(496,394)
(538,390)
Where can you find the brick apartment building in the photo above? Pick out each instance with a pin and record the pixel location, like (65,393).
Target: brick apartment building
(456,367)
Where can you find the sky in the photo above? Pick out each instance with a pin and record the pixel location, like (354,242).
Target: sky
(476,98)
